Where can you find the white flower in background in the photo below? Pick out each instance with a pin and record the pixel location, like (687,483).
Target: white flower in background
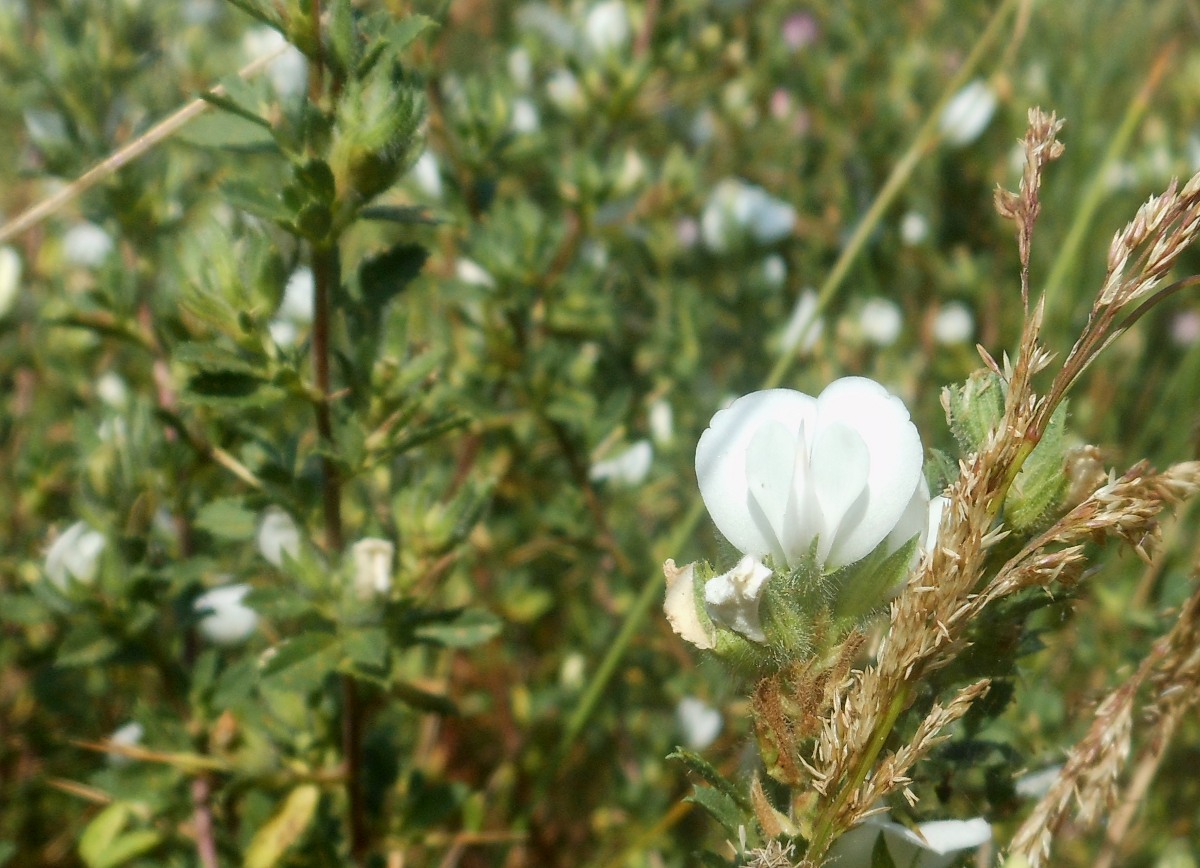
(564,91)
(880,321)
(372,567)
(427,175)
(524,118)
(937,845)
(295,309)
(968,113)
(914,228)
(471,272)
(699,722)
(570,674)
(112,390)
(687,232)
(552,25)
(954,324)
(86,245)
(626,468)
(632,172)
(606,28)
(778,469)
(128,735)
(1185,328)
(736,207)
(704,127)
(288,72)
(278,534)
(10,279)
(731,599)
(1034,785)
(74,556)
(662,422)
(520,68)
(225,619)
(802,324)
(774,270)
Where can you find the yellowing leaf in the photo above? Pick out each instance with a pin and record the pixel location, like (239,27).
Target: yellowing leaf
(284,829)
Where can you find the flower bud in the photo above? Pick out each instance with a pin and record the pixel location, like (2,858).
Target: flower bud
(75,556)
(372,567)
(225,619)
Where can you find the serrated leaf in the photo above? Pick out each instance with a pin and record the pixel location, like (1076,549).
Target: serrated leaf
(721,808)
(284,829)
(699,765)
(227,518)
(463,629)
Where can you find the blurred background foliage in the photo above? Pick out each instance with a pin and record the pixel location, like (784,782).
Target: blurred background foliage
(541,382)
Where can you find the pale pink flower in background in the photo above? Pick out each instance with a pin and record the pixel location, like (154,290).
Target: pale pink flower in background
(1185,328)
(800,30)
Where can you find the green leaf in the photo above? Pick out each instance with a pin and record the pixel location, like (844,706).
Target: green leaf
(721,808)
(881,857)
(424,700)
(230,132)
(103,846)
(385,275)
(301,665)
(86,645)
(367,648)
(7,850)
(1041,484)
(225,387)
(226,518)
(399,214)
(296,651)
(343,49)
(465,628)
(714,778)
(284,829)
(249,197)
(403,32)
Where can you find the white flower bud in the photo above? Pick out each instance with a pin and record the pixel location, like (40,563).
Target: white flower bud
(75,556)
(427,175)
(10,279)
(606,28)
(564,91)
(953,324)
(914,228)
(471,272)
(626,468)
(372,567)
(698,721)
(880,321)
(128,735)
(86,245)
(968,113)
(225,619)
(524,118)
(277,534)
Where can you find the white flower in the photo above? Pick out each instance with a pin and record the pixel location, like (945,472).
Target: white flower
(564,91)
(606,27)
(427,175)
(626,468)
(288,72)
(10,279)
(736,207)
(803,324)
(277,534)
(75,556)
(662,422)
(954,324)
(1185,328)
(880,321)
(936,846)
(372,567)
(774,270)
(225,619)
(698,721)
(129,735)
(112,390)
(471,272)
(914,228)
(520,68)
(1034,785)
(86,245)
(295,308)
(524,118)
(731,599)
(968,113)
(778,469)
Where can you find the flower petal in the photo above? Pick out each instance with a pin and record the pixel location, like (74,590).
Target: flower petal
(895,452)
(721,461)
(731,599)
(681,608)
(770,464)
(840,469)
